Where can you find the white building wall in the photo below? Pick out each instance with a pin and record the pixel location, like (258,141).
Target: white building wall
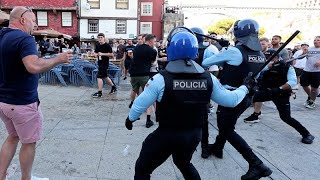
(108,27)
(108,9)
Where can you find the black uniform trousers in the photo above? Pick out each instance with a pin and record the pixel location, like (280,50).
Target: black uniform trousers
(205,131)
(282,103)
(162,143)
(227,119)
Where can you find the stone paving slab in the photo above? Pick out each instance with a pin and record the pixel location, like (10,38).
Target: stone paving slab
(84,139)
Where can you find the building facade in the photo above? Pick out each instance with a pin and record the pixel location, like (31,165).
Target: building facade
(115,18)
(59,15)
(151,17)
(307,3)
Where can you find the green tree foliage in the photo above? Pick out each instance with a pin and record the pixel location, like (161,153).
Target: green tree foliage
(262,30)
(221,27)
(298,38)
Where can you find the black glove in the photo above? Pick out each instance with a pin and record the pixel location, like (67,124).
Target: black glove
(275,91)
(129,124)
(250,83)
(223,42)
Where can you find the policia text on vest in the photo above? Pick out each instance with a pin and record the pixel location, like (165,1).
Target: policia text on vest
(195,84)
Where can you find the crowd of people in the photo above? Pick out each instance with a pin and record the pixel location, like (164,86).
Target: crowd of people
(178,81)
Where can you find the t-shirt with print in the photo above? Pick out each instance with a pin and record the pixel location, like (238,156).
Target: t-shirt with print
(103,48)
(312,58)
(17,85)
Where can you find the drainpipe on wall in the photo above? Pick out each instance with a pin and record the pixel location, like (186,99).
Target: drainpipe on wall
(78,11)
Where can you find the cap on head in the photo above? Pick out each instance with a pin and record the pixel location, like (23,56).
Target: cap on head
(269,53)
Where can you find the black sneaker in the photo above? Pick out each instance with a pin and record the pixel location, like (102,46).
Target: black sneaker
(205,151)
(149,123)
(308,139)
(253,118)
(217,152)
(113,90)
(257,172)
(125,78)
(318,95)
(97,95)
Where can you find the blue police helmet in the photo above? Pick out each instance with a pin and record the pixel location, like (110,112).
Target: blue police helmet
(245,27)
(200,31)
(182,45)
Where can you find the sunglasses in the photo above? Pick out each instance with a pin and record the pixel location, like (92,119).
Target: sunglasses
(27,10)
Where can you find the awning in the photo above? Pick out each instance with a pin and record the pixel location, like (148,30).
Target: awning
(3,16)
(51,33)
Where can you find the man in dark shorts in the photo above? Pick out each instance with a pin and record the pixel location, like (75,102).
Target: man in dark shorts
(103,51)
(300,63)
(120,55)
(311,73)
(144,55)
(129,57)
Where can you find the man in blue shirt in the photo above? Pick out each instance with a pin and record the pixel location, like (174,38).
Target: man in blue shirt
(19,101)
(237,62)
(182,92)
(276,85)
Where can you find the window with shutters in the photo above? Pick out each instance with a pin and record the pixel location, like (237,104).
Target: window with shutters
(121,26)
(146,9)
(145,27)
(42,17)
(66,18)
(93,25)
(94,4)
(122,4)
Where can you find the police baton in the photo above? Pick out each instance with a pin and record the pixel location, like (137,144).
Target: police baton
(222,42)
(276,53)
(297,58)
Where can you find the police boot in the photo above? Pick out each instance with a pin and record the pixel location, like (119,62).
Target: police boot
(216,151)
(257,171)
(205,151)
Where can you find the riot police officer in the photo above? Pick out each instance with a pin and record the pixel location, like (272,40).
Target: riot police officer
(202,46)
(182,92)
(237,62)
(276,86)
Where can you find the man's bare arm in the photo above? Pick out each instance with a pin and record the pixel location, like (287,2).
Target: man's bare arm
(36,65)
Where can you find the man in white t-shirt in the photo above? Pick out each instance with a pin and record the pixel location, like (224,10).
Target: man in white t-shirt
(311,73)
(300,63)
(211,50)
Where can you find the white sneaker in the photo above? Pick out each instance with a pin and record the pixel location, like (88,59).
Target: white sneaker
(37,178)
(310,105)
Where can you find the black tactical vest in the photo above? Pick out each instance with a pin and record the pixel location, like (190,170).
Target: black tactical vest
(276,76)
(199,59)
(184,101)
(251,62)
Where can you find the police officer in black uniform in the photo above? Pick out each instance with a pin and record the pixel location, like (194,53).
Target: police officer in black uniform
(276,86)
(237,62)
(182,92)
(205,151)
